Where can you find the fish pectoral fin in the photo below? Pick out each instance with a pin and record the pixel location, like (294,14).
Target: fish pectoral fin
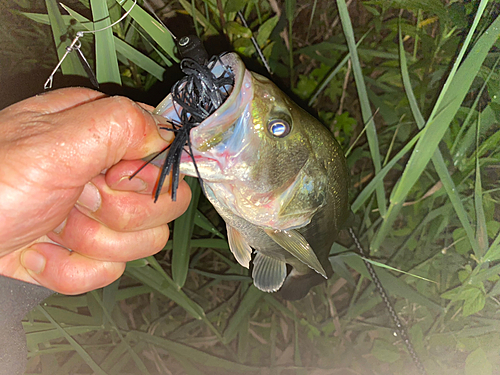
(293,242)
(268,273)
(239,247)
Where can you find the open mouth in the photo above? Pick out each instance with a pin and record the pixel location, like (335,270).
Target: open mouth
(202,107)
(215,128)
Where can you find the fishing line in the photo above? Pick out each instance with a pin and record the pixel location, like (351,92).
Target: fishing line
(401,329)
(75,46)
(255,44)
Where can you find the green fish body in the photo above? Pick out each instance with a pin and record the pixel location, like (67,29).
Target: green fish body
(276,176)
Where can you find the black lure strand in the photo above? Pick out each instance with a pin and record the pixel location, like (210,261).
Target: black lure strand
(196,96)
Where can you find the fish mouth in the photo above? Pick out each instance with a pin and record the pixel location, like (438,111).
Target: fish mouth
(207,140)
(213,129)
(216,128)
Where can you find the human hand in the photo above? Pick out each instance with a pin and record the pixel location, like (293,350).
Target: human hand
(54,195)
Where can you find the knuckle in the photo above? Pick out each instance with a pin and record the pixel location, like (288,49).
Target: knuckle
(129,115)
(160,238)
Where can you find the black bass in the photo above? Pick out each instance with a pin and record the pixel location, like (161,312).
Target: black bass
(276,176)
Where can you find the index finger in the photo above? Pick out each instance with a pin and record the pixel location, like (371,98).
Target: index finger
(98,134)
(60,100)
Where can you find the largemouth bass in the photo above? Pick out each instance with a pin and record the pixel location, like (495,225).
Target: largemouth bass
(276,176)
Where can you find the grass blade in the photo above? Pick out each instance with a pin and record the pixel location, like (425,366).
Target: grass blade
(202,221)
(245,308)
(163,284)
(78,348)
(437,158)
(392,284)
(333,73)
(198,17)
(372,185)
(193,354)
(105,53)
(138,58)
(481,231)
(109,294)
(71,64)
(183,230)
(129,52)
(436,126)
(371,132)
(133,354)
(152,27)
(44,18)
(382,265)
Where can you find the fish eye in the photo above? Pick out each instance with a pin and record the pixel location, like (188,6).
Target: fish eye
(278,128)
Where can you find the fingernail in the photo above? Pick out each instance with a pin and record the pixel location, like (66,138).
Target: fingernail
(127,184)
(33,261)
(60,227)
(90,197)
(162,123)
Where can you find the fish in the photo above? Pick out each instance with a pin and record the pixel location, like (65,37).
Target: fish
(276,176)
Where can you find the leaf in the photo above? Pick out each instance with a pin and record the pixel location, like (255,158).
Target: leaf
(453,294)
(44,18)
(477,363)
(183,230)
(195,355)
(71,64)
(366,112)
(214,243)
(245,308)
(105,53)
(196,14)
(341,270)
(202,221)
(77,347)
(334,71)
(391,283)
(138,58)
(290,9)
(385,351)
(430,6)
(370,188)
(162,283)
(395,269)
(447,105)
(238,31)
(475,300)
(481,231)
(152,27)
(437,158)
(234,5)
(265,30)
(492,254)
(129,52)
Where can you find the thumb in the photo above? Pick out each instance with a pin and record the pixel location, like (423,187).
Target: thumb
(64,271)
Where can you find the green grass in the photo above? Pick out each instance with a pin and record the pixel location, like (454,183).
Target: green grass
(418,109)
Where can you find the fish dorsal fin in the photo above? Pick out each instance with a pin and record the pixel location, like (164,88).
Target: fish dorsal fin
(268,273)
(293,242)
(239,247)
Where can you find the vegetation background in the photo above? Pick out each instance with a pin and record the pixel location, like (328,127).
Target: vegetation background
(411,90)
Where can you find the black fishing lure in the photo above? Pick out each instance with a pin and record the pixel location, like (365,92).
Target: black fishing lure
(195,96)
